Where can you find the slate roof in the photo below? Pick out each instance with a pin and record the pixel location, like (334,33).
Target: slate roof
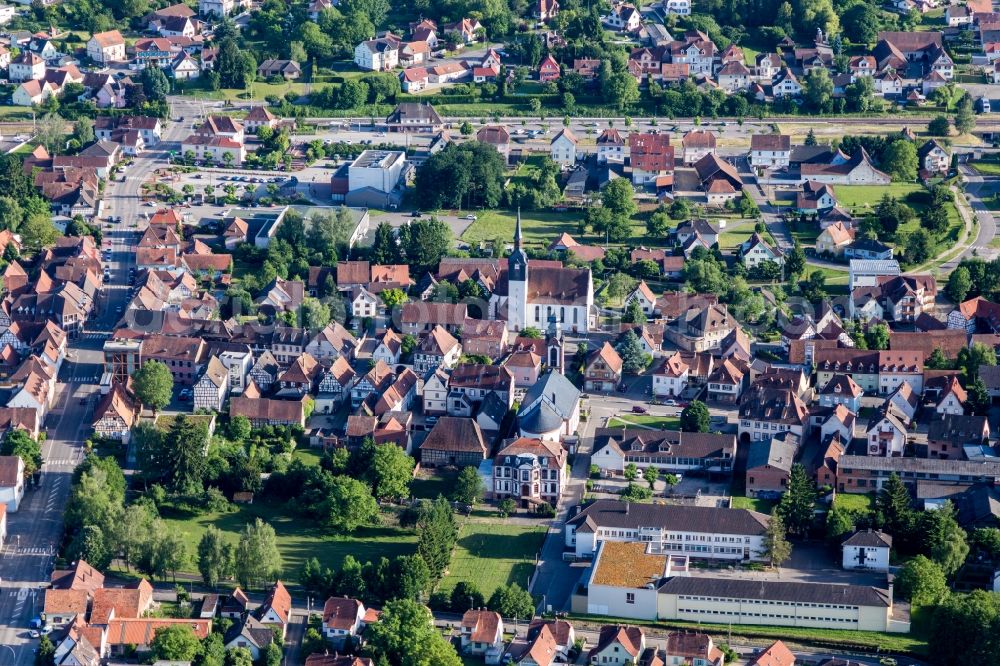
(814,593)
(714,520)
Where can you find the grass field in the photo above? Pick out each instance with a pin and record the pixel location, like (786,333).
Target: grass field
(754,504)
(539,227)
(656,422)
(494,554)
(987,168)
(298,538)
(430,485)
(863,198)
(852,502)
(834,277)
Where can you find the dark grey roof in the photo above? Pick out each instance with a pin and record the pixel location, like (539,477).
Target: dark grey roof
(708,519)
(775,452)
(990,374)
(810,593)
(958,429)
(667,442)
(556,390)
(869,539)
(541,418)
(493,407)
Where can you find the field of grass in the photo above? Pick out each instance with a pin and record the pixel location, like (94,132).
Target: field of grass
(754,504)
(863,198)
(494,554)
(986,167)
(853,502)
(298,538)
(730,239)
(834,277)
(308,455)
(540,227)
(430,486)
(648,420)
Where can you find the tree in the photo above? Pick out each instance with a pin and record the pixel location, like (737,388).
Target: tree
(393,298)
(939,126)
(695,417)
(798,504)
(409,576)
(979,398)
(959,283)
(384,249)
(175,643)
(506,507)
(776,545)
(965,117)
(239,657)
(839,523)
(512,601)
(315,313)
(215,557)
(466,596)
(795,262)
(153,385)
(233,65)
(18,442)
(818,90)
(46,654)
(405,636)
(899,160)
(618,196)
(970,359)
(91,545)
(944,539)
(658,224)
(633,313)
(390,472)
(877,336)
(468,486)
(37,230)
(917,246)
(619,285)
(426,242)
(349,504)
(987,539)
(256,559)
(893,510)
(466,175)
(963,629)
(650,475)
(631,472)
(922,582)
(634,359)
(437,535)
(680,209)
(83,131)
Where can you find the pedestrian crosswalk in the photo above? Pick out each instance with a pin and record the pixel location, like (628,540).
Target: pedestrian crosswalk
(94,335)
(60,462)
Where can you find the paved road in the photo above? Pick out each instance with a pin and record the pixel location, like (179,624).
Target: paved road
(975,188)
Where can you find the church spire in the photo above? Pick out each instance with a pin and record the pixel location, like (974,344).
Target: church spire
(517,230)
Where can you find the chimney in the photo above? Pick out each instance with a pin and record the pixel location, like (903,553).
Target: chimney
(626,508)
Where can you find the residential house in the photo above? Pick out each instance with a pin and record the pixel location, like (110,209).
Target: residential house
(115,414)
(212,388)
(530,471)
(436,348)
(769,464)
(670,377)
(603,369)
(618,646)
(770,151)
(106,47)
(250,634)
(701,329)
(697,144)
(11,482)
(548,69)
(834,239)
(756,251)
(481,633)
(841,389)
(276,610)
(288,70)
(949,435)
(624,18)
(610,145)
(264,411)
(651,157)
(815,198)
(562,149)
(765,412)
(343,621)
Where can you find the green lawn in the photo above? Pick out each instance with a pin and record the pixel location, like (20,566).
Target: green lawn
(308,455)
(539,227)
(862,198)
(731,239)
(833,276)
(298,538)
(657,422)
(430,486)
(987,168)
(853,502)
(494,554)
(754,504)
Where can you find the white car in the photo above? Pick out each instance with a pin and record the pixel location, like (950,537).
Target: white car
(471,217)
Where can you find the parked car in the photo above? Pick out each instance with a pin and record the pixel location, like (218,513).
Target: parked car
(638,409)
(670,403)
(471,217)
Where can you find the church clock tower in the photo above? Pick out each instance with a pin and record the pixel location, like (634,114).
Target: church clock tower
(517,283)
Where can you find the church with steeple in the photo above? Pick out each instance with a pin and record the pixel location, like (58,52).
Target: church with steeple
(538,293)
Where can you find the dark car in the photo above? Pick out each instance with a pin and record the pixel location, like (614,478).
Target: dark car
(638,409)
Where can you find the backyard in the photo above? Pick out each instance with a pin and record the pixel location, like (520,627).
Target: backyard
(645,421)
